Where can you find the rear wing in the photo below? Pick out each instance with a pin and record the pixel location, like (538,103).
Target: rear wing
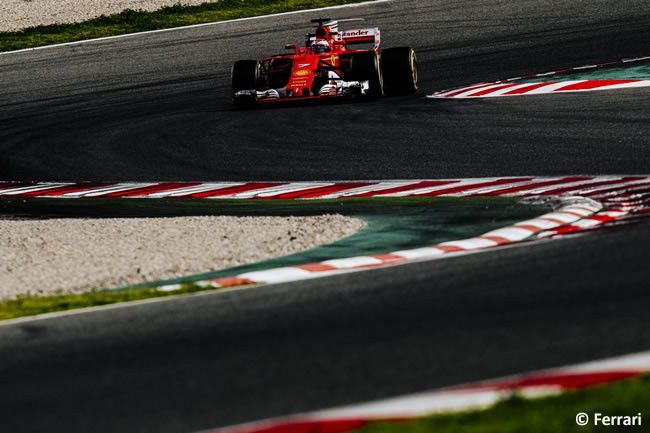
(360,36)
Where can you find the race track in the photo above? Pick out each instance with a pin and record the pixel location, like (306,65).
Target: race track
(156,107)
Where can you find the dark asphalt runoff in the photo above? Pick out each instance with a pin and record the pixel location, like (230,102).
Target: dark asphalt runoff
(156,107)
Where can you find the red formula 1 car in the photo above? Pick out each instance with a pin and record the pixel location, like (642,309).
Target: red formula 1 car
(326,67)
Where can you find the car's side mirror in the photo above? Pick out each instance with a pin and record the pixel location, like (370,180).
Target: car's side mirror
(290,47)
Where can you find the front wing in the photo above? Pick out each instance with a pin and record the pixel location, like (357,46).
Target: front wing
(334,89)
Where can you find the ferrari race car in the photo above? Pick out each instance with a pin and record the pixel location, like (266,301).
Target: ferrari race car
(327,67)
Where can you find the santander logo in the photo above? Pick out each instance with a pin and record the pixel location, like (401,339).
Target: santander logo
(355,33)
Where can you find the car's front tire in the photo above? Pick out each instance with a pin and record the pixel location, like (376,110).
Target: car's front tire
(399,67)
(245,75)
(365,67)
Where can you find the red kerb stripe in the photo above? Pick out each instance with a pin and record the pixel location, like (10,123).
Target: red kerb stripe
(320,191)
(316,267)
(527,89)
(579,215)
(618,188)
(71,188)
(566,229)
(497,239)
(449,248)
(568,380)
(590,185)
(536,185)
(11,185)
(528,227)
(424,184)
(493,89)
(575,381)
(467,89)
(232,281)
(474,186)
(553,220)
(593,84)
(601,218)
(145,190)
(388,258)
(325,426)
(235,189)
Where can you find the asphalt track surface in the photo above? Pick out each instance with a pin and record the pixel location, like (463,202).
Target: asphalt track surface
(156,107)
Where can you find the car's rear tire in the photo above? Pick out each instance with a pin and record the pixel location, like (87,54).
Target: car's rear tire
(365,67)
(245,75)
(399,67)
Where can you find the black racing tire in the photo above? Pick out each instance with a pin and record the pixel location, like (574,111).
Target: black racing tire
(365,67)
(245,75)
(399,67)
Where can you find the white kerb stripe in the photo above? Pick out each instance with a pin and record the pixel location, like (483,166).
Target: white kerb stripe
(281,189)
(543,189)
(169,287)
(353,262)
(470,244)
(579,210)
(444,93)
(33,188)
(552,87)
(631,186)
(512,233)
(621,185)
(418,253)
(539,223)
(208,283)
(489,189)
(429,189)
(585,203)
(564,217)
(642,83)
(501,92)
(483,190)
(470,92)
(120,187)
(363,189)
(277,275)
(613,214)
(587,223)
(192,190)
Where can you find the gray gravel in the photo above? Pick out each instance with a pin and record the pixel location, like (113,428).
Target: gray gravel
(18,14)
(41,257)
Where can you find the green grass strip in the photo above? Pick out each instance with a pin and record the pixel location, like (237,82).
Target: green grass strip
(29,306)
(555,414)
(130,21)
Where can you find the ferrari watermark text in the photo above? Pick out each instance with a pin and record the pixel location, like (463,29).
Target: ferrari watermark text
(598,418)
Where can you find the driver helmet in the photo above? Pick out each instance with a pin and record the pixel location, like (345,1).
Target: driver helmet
(320,47)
